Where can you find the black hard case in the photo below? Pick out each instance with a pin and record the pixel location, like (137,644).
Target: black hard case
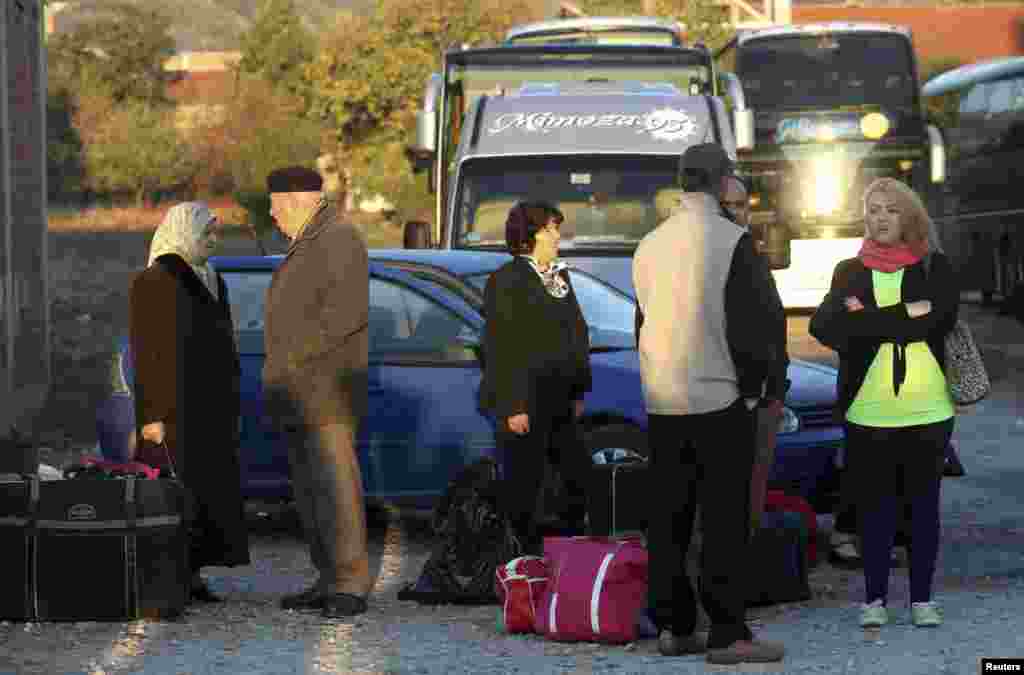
(617,498)
(93,549)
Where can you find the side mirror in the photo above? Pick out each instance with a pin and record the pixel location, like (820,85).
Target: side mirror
(774,245)
(417,235)
(743,125)
(743,117)
(938,154)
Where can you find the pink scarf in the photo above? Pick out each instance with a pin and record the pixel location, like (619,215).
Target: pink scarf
(875,256)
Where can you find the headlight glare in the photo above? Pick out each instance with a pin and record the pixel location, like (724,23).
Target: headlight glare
(789,423)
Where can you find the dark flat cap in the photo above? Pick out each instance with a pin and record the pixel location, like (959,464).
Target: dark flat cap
(707,157)
(294,179)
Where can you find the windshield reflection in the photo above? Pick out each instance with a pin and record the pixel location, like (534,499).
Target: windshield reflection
(609,314)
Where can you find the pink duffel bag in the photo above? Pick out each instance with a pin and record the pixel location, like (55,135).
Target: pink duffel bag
(597,588)
(519,585)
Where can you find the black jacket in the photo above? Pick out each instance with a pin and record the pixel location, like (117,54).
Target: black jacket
(536,347)
(755,324)
(856,336)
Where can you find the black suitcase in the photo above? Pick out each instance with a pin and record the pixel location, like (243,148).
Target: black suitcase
(780,548)
(93,549)
(617,498)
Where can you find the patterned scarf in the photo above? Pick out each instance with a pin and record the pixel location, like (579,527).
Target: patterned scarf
(181,233)
(551,277)
(876,256)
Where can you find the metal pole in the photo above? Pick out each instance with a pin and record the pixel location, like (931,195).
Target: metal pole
(44,252)
(5,186)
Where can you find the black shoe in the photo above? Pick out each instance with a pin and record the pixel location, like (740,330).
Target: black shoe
(343,605)
(202,593)
(680,645)
(311,598)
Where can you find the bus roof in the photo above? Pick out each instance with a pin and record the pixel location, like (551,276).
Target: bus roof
(573,124)
(799,30)
(530,54)
(972,73)
(593,23)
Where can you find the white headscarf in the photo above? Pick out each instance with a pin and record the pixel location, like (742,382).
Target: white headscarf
(181,233)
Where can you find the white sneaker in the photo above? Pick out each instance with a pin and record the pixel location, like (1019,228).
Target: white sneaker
(926,614)
(873,615)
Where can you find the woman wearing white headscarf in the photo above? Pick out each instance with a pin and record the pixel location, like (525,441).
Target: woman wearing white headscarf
(187,383)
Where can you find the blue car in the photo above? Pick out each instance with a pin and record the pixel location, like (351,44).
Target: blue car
(423,424)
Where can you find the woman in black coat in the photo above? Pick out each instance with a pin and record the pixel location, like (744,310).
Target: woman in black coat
(537,369)
(187,383)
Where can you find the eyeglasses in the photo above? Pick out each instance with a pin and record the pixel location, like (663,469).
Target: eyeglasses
(736,203)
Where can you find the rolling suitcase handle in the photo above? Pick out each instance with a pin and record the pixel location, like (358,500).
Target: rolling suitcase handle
(32,537)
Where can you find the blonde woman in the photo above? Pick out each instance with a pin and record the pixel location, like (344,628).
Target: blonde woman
(887,314)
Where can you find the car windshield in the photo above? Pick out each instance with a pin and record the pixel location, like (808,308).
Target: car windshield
(827,71)
(608,313)
(607,200)
(246,293)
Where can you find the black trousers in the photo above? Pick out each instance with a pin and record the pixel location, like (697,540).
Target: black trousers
(898,469)
(554,436)
(705,459)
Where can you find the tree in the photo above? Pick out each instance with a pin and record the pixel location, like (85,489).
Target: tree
(277,47)
(262,129)
(64,153)
(703,20)
(122,46)
(368,76)
(132,146)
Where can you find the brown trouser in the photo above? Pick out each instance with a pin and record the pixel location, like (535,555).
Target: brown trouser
(328,490)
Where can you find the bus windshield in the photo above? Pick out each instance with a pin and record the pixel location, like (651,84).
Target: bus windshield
(607,200)
(689,72)
(827,71)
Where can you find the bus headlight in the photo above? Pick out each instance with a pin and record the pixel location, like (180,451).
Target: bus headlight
(789,423)
(827,187)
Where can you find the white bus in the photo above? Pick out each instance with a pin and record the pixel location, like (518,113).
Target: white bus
(836,105)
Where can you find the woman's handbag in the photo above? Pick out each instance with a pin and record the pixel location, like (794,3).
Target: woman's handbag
(965,370)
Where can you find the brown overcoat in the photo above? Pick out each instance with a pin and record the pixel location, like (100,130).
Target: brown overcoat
(315,327)
(187,376)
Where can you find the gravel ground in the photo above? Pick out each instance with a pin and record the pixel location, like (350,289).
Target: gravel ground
(980,580)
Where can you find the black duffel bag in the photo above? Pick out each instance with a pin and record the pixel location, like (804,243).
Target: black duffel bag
(94,549)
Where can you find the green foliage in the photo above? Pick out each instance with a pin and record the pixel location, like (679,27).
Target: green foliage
(257,205)
(136,147)
(369,74)
(613,7)
(65,168)
(277,47)
(704,21)
(121,47)
(264,129)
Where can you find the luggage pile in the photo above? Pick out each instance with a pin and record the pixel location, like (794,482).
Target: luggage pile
(97,542)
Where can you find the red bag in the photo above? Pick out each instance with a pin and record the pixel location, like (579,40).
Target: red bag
(125,468)
(777,500)
(519,585)
(596,591)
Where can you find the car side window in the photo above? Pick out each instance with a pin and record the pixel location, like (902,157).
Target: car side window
(247,293)
(406,325)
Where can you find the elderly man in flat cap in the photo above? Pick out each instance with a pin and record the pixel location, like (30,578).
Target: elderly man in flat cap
(314,380)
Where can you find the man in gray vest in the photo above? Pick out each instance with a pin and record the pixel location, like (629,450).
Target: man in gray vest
(703,303)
